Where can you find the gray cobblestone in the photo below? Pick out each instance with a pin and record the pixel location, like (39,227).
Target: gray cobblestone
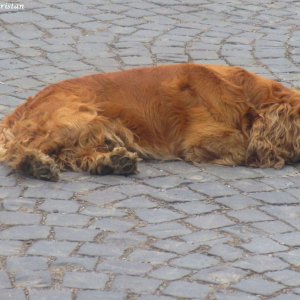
(88,263)
(222,275)
(169,273)
(103,250)
(286,277)
(57,219)
(297,291)
(8,248)
(213,189)
(148,297)
(4,280)
(103,212)
(12,294)
(178,195)
(226,252)
(19,264)
(59,206)
(174,230)
(289,238)
(292,257)
(33,279)
(19,204)
(232,173)
(263,245)
(147,171)
(135,284)
(124,267)
(165,182)
(29,232)
(75,234)
(84,280)
(10,193)
(126,239)
(258,286)
(110,224)
(176,167)
(150,256)
(8,181)
(235,296)
(238,201)
(79,186)
(176,246)
(165,230)
(278,183)
(295,193)
(196,207)
(275,197)
(137,202)
(287,171)
(206,237)
(250,185)
(52,248)
(249,215)
(187,290)
(47,193)
(273,226)
(157,215)
(195,261)
(210,221)
(100,295)
(103,197)
(288,213)
(135,189)
(261,263)
(287,297)
(50,295)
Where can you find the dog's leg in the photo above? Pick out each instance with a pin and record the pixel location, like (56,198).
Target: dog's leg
(36,164)
(117,161)
(216,145)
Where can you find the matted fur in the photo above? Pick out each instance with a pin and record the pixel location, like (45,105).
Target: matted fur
(199,113)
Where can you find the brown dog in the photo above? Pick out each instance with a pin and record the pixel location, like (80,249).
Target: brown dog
(198,113)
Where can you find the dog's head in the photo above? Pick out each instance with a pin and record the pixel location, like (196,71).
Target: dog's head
(275,136)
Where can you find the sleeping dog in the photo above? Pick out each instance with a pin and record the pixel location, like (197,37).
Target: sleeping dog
(105,123)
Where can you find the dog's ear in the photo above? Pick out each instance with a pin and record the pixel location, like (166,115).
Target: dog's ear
(271,141)
(261,152)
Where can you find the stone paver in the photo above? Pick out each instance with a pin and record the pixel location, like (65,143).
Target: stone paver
(173,231)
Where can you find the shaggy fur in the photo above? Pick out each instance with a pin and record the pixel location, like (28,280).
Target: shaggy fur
(198,113)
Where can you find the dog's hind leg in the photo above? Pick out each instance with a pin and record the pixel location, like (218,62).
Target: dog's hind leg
(217,145)
(117,161)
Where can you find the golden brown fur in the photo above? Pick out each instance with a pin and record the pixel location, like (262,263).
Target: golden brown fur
(198,113)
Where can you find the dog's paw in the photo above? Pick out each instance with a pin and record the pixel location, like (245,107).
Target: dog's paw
(44,169)
(123,161)
(118,161)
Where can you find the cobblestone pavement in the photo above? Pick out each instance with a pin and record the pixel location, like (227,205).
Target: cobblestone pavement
(173,231)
